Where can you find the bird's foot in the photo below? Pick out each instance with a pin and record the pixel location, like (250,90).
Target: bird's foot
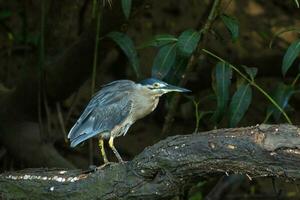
(101,167)
(93,168)
(104,165)
(123,161)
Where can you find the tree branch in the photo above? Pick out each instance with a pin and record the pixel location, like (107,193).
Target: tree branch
(160,171)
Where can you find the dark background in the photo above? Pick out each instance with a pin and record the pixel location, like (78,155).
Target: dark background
(46,62)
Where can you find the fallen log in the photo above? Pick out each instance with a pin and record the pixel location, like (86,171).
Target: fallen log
(162,170)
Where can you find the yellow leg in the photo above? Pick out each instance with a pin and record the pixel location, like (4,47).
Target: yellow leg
(101,146)
(111,144)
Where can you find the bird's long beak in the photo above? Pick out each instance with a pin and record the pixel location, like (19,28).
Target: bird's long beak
(173,88)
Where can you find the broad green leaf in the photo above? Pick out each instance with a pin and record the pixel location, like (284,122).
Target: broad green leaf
(126,44)
(188,41)
(126,6)
(297,3)
(251,71)
(159,40)
(239,104)
(175,74)
(282,96)
(5,14)
(240,81)
(232,25)
(164,60)
(223,75)
(289,57)
(196,196)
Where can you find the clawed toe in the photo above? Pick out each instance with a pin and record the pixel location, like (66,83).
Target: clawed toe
(101,167)
(104,165)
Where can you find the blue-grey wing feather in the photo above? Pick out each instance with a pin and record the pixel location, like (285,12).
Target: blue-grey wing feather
(110,93)
(108,108)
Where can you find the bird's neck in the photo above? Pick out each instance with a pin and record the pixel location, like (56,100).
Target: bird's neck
(145,102)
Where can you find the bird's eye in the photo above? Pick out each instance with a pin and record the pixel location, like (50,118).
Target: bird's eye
(156,85)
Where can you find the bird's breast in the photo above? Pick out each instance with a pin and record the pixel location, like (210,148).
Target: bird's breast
(144,107)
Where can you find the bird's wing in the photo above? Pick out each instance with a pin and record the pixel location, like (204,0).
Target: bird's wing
(109,94)
(108,108)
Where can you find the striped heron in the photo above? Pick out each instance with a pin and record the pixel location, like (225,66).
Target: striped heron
(114,108)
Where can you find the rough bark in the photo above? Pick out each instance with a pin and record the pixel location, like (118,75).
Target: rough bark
(162,170)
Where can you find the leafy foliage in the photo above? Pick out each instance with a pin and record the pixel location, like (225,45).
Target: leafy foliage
(251,71)
(232,25)
(197,196)
(297,3)
(223,74)
(172,57)
(175,74)
(188,41)
(159,41)
(239,104)
(291,54)
(254,84)
(126,6)
(282,95)
(164,60)
(126,44)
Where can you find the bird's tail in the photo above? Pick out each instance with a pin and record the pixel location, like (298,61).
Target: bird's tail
(81,138)
(81,132)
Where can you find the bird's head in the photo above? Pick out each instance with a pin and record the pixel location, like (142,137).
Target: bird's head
(160,87)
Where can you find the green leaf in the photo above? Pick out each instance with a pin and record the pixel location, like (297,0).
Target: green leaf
(291,54)
(240,81)
(5,14)
(159,40)
(188,41)
(196,196)
(232,25)
(239,104)
(297,3)
(223,75)
(177,70)
(126,44)
(126,6)
(251,71)
(164,60)
(282,95)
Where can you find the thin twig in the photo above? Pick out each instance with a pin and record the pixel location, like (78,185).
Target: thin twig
(295,80)
(48,113)
(3,152)
(96,49)
(41,66)
(61,121)
(72,106)
(190,66)
(98,9)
